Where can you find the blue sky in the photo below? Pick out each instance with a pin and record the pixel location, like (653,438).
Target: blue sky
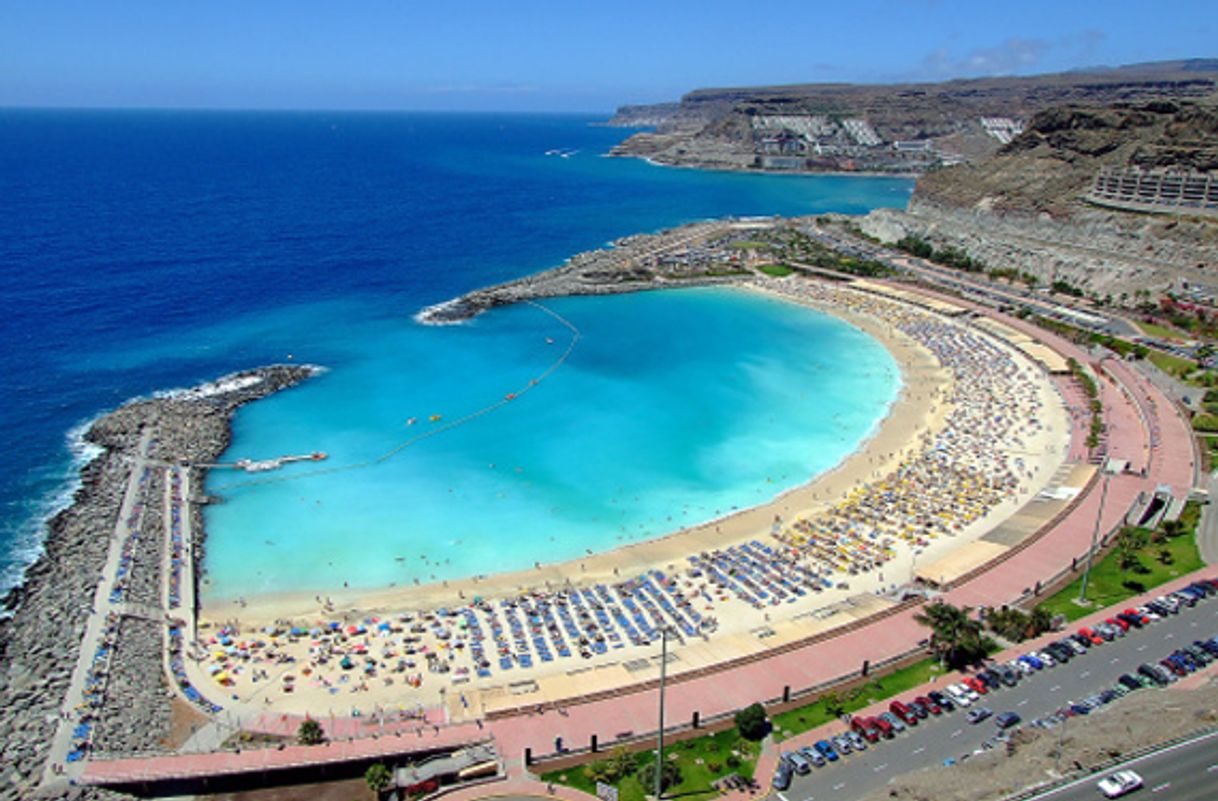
(548,55)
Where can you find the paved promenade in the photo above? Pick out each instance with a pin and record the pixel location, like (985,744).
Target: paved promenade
(59,772)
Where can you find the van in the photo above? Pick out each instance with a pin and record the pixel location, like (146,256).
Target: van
(798,763)
(904,713)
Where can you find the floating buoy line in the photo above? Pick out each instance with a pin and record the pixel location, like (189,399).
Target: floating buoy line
(436,430)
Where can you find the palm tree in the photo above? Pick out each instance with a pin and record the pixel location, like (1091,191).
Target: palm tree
(953,633)
(1039,621)
(1130,541)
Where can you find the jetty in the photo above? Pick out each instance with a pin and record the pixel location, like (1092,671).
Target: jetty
(263,465)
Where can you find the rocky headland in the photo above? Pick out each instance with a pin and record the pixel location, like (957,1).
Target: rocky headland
(40,640)
(883,128)
(690,255)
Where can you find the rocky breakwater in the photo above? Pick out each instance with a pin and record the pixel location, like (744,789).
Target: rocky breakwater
(680,257)
(47,615)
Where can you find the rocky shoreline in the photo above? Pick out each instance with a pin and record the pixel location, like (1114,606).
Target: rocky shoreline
(630,265)
(39,643)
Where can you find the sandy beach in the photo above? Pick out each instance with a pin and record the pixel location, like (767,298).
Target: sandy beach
(397,624)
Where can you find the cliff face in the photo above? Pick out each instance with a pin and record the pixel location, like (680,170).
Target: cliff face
(1053,163)
(1027,207)
(905,127)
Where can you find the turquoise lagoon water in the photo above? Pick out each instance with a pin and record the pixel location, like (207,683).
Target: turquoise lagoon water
(674,408)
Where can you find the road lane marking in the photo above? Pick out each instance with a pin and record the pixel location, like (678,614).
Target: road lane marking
(1084,674)
(784,798)
(919,749)
(839,785)
(957,732)
(1141,648)
(1021,703)
(1161,787)
(879,768)
(1114,660)
(1055,688)
(1169,636)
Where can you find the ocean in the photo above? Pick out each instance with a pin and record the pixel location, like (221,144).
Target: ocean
(147,250)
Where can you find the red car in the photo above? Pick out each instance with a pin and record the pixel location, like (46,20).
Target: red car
(976,685)
(903,712)
(1091,635)
(1145,620)
(866,728)
(925,701)
(884,726)
(1116,621)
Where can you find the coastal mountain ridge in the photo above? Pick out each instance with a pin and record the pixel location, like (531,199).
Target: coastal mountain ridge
(906,128)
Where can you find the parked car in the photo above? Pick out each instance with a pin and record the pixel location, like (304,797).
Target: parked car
(1031,661)
(945,703)
(918,708)
(958,695)
(797,762)
(1123,625)
(782,776)
(976,685)
(1077,646)
(1006,720)
(979,714)
(1091,635)
(1008,675)
(867,728)
(842,745)
(929,704)
(893,721)
(1130,682)
(907,715)
(826,750)
(856,740)
(886,728)
(813,756)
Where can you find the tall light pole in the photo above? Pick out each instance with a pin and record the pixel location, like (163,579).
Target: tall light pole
(660,749)
(1082,594)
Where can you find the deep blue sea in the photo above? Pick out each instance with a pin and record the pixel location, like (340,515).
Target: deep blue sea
(146,250)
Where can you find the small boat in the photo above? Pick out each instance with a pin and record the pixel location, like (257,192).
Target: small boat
(412,421)
(549,340)
(435,418)
(510,396)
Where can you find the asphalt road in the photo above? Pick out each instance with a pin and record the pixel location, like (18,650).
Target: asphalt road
(950,736)
(1187,772)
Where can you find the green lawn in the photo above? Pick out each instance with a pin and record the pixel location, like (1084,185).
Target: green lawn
(1159,331)
(701,760)
(1107,583)
(776,270)
(1172,364)
(797,721)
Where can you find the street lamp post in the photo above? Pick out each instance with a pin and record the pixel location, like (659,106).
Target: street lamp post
(1095,534)
(660,748)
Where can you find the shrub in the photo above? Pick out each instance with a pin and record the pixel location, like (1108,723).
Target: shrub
(670,776)
(751,722)
(310,733)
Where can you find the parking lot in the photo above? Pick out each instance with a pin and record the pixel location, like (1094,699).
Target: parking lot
(936,740)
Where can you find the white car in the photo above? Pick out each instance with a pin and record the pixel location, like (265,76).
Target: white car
(1044,657)
(1120,783)
(959,696)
